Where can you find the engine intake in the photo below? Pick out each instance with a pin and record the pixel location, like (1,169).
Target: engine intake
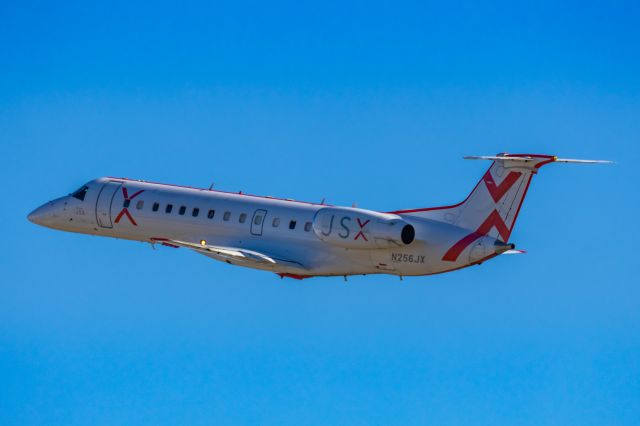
(408,234)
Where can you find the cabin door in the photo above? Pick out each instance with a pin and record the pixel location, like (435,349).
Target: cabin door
(258,222)
(103,204)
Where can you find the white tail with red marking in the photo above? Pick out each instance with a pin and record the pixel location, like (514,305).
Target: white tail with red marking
(492,207)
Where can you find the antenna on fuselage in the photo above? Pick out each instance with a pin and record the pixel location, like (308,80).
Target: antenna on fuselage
(323,200)
(211,186)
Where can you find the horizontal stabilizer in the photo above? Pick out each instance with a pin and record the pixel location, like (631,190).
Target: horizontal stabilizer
(571,160)
(527,158)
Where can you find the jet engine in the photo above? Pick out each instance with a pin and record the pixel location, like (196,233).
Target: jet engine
(362,229)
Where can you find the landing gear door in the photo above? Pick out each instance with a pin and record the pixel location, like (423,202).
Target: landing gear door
(257,222)
(103,204)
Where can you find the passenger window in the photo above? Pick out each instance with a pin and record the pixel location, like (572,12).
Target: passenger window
(276,222)
(211,214)
(292,224)
(126,203)
(140,205)
(80,193)
(226,216)
(195,212)
(168,208)
(258,220)
(307,226)
(155,207)
(243,218)
(182,210)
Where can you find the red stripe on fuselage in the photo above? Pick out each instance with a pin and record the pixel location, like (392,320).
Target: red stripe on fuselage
(493,221)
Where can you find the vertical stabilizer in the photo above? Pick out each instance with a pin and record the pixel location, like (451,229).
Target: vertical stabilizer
(492,207)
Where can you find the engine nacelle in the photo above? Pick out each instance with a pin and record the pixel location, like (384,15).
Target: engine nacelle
(361,229)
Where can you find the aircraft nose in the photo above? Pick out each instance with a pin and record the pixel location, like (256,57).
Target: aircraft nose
(42,215)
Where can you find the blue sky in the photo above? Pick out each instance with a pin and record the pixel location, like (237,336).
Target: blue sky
(368,103)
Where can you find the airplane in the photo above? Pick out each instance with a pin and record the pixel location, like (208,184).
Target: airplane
(299,240)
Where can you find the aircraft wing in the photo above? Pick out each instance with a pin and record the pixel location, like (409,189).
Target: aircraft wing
(238,256)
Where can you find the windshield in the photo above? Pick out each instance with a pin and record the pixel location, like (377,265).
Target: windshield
(80,193)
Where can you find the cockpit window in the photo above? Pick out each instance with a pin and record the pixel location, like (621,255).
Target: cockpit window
(80,193)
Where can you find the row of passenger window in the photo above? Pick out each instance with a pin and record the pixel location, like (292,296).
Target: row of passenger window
(211,213)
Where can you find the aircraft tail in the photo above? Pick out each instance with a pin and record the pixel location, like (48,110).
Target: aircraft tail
(492,207)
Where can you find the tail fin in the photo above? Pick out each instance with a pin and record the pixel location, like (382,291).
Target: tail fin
(493,205)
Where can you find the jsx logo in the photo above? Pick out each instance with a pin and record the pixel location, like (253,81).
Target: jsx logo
(126,204)
(361,225)
(494,220)
(344,231)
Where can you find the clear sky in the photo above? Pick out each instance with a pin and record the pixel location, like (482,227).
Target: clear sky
(366,102)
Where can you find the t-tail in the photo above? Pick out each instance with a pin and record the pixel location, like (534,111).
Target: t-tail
(492,208)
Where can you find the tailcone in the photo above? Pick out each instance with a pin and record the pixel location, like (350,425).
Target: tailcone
(501,247)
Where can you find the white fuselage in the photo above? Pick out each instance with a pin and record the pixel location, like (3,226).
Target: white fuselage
(301,240)
(313,239)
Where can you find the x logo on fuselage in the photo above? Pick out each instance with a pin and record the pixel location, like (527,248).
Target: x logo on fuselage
(361,225)
(125,205)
